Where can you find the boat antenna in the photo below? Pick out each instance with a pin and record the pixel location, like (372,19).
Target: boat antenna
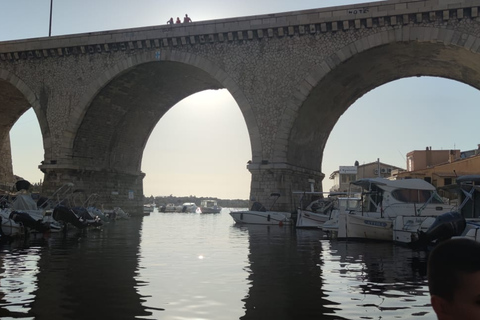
(378,168)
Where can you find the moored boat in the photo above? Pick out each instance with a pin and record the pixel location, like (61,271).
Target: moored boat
(10,228)
(315,209)
(209,206)
(464,221)
(343,204)
(262,217)
(148,208)
(189,207)
(383,201)
(258,214)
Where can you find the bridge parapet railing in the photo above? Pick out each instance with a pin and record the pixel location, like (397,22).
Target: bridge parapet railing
(298,23)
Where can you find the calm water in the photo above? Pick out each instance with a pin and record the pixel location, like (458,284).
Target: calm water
(179,266)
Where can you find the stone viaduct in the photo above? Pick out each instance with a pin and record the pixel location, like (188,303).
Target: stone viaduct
(98,96)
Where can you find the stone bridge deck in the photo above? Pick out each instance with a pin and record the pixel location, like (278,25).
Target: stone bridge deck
(366,15)
(99,95)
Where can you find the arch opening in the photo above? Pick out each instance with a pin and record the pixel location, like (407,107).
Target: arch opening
(408,114)
(355,77)
(123,115)
(20,138)
(199,147)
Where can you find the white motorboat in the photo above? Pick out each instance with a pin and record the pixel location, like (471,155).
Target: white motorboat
(383,201)
(463,222)
(472,230)
(262,217)
(24,210)
(317,210)
(209,206)
(148,208)
(10,228)
(189,207)
(258,214)
(342,205)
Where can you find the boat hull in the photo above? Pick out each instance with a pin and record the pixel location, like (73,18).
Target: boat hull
(407,228)
(210,210)
(261,217)
(472,230)
(353,226)
(308,219)
(11,228)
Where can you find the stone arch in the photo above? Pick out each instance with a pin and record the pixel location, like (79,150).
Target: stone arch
(346,75)
(201,68)
(16,98)
(23,98)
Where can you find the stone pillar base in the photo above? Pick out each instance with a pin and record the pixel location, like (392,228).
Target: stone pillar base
(284,179)
(113,189)
(7,179)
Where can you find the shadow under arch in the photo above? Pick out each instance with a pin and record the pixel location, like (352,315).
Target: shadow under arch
(337,89)
(123,109)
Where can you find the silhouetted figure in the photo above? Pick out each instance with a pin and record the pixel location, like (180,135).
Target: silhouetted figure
(170,21)
(178,20)
(186,19)
(453,279)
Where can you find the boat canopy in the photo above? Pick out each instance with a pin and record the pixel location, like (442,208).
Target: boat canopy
(389,185)
(471,178)
(24,201)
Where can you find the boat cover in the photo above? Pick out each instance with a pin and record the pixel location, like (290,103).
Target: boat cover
(417,184)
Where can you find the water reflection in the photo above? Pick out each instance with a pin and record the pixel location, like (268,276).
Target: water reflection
(376,280)
(18,270)
(175,266)
(82,276)
(285,275)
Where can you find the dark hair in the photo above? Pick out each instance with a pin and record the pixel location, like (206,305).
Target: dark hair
(448,262)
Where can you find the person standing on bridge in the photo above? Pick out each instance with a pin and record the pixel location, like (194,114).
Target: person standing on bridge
(178,20)
(170,21)
(186,19)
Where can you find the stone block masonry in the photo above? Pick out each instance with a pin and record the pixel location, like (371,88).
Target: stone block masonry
(99,95)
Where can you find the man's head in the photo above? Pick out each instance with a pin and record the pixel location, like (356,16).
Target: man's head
(454,279)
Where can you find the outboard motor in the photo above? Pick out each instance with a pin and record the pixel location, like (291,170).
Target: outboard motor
(62,213)
(25,219)
(444,227)
(83,214)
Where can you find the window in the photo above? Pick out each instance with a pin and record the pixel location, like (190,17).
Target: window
(347,178)
(447,181)
(415,196)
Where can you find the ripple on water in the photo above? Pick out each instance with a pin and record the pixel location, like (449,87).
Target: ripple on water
(173,266)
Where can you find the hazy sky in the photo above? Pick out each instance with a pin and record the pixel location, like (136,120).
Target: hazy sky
(201,146)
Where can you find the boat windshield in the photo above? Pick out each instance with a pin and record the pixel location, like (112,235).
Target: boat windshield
(349,203)
(416,196)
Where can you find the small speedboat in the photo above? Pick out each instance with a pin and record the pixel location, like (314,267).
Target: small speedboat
(318,209)
(258,214)
(9,227)
(209,206)
(189,207)
(262,217)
